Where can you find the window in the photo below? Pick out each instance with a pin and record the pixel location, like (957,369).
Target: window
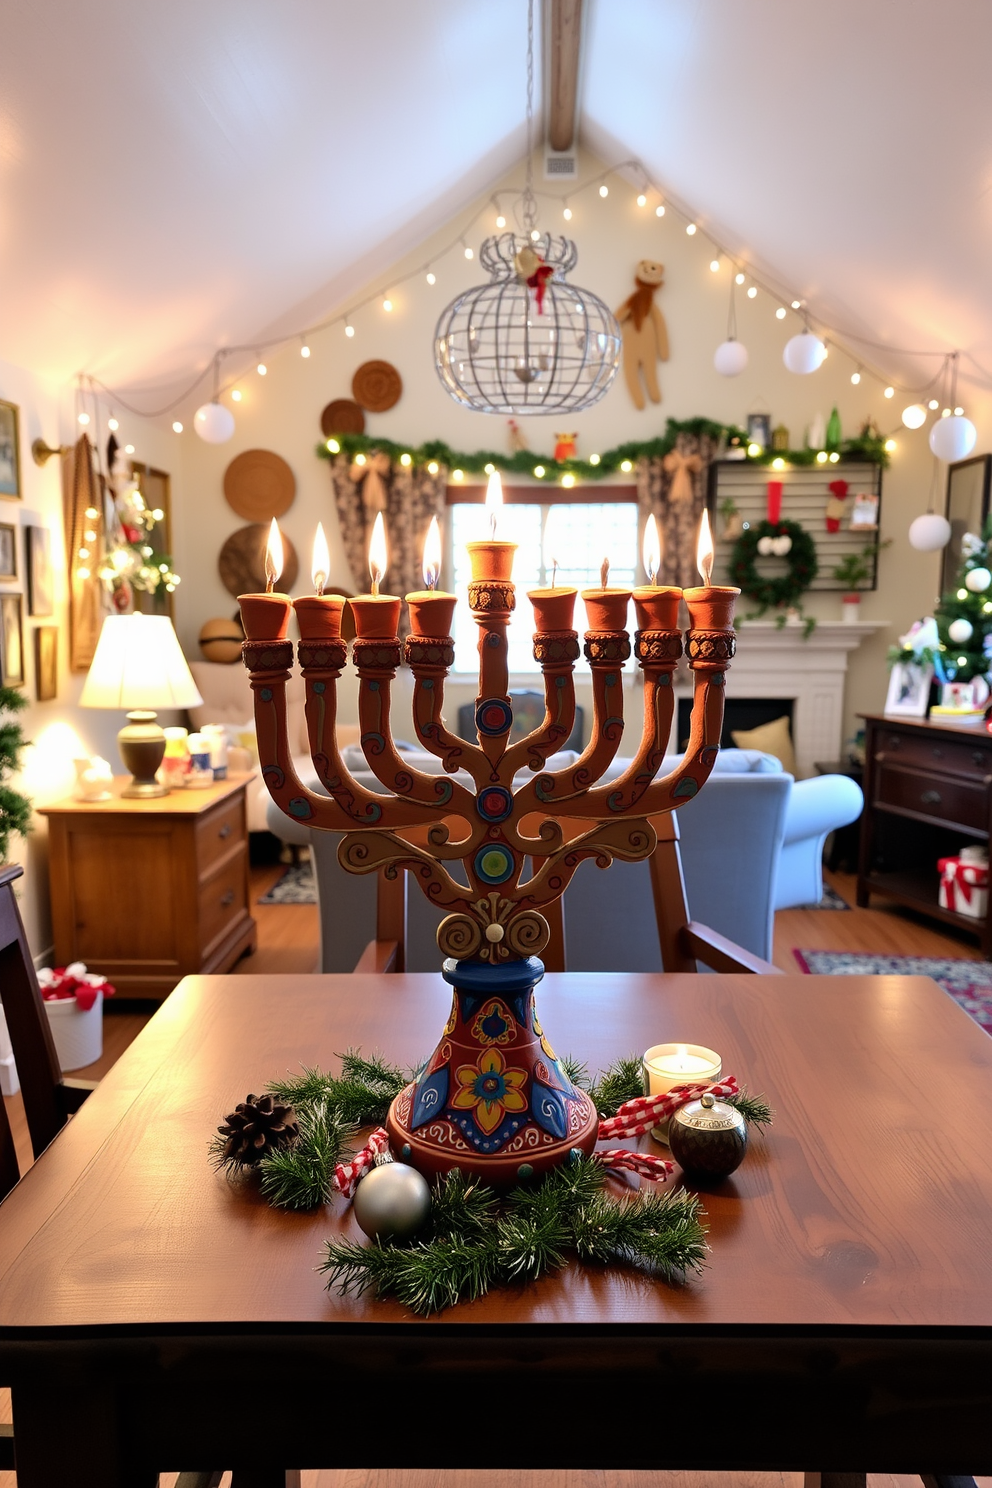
(579,536)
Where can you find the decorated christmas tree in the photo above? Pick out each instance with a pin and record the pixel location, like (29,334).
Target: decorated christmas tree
(964,614)
(15,808)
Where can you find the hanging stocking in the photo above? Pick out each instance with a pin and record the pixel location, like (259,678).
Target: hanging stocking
(834,513)
(774,502)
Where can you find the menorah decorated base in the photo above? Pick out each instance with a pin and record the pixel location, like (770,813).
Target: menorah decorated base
(493,1099)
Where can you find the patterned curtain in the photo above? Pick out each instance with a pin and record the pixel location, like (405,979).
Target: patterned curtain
(674,488)
(408,497)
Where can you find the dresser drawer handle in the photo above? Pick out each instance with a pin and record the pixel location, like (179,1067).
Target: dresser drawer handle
(930,798)
(227,899)
(225,831)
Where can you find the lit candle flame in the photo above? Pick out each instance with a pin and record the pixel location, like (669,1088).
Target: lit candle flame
(320,565)
(378,557)
(704,549)
(604,573)
(432,555)
(273,557)
(494,500)
(652,549)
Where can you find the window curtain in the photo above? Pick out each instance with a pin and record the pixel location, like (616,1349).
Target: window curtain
(408,497)
(673,487)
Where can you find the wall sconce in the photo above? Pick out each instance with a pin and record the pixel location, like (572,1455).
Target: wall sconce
(42,452)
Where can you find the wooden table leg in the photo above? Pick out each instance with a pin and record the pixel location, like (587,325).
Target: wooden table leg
(80,1444)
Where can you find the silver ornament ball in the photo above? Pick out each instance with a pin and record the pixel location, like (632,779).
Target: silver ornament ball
(960,631)
(977,580)
(392,1202)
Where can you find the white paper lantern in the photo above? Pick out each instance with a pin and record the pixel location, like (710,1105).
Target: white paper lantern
(929,532)
(730,358)
(953,438)
(977,580)
(960,631)
(214,423)
(915,416)
(804,353)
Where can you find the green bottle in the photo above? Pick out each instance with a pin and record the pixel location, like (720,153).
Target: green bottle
(833,430)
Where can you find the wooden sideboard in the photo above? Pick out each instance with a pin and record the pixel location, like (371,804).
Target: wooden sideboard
(928,793)
(149,891)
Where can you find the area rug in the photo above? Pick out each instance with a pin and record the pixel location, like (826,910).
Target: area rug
(295,887)
(968,982)
(831,900)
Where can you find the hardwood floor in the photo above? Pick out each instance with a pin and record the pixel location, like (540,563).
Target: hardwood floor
(288,940)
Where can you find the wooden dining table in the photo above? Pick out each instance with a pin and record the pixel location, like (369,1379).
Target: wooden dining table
(156,1316)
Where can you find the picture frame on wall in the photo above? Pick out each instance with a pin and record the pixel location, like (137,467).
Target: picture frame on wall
(46,662)
(909,690)
(38,561)
(10,451)
(12,639)
(968,486)
(759,429)
(8,551)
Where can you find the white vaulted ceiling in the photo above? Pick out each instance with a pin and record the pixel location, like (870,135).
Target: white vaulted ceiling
(178,176)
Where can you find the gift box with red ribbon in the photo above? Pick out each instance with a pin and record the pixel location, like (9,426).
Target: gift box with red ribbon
(964,882)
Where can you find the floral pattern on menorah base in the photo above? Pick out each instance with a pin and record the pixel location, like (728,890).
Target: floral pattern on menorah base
(493,1100)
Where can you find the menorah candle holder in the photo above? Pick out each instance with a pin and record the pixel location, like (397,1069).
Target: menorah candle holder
(493,1099)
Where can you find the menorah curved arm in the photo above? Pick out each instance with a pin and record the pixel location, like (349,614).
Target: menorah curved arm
(367,852)
(631,840)
(557,655)
(385,760)
(456,753)
(659,709)
(556,786)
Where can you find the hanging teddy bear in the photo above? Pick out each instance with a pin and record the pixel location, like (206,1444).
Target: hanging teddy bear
(645,334)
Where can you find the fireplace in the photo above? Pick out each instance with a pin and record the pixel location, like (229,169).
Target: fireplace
(739,713)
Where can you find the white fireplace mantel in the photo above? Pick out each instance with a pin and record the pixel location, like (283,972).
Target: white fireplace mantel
(782,662)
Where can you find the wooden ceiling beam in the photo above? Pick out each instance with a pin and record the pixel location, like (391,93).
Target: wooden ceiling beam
(563,72)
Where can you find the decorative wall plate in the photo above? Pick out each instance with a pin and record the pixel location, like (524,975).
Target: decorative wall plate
(342,416)
(241,563)
(377,386)
(259,485)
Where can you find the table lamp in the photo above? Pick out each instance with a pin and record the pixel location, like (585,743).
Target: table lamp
(139,666)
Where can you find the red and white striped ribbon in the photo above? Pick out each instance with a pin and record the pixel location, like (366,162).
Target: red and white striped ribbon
(347,1175)
(636,1162)
(645,1111)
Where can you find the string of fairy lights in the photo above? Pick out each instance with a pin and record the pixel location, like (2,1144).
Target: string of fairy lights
(95,399)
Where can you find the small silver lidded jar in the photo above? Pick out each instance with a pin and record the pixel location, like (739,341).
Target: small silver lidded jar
(708,1138)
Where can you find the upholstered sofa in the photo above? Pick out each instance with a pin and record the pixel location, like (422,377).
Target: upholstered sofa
(751,843)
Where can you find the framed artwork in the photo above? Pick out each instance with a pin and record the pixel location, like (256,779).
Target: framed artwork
(759,429)
(968,483)
(12,639)
(8,551)
(38,557)
(909,690)
(10,451)
(46,662)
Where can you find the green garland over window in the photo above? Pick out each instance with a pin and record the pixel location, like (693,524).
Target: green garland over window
(789,587)
(610,462)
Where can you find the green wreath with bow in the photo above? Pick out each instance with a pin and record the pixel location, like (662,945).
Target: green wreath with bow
(785,589)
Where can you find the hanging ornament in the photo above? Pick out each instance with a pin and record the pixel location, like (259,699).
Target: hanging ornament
(730,358)
(804,353)
(214,423)
(392,1202)
(834,434)
(977,580)
(960,631)
(953,438)
(929,532)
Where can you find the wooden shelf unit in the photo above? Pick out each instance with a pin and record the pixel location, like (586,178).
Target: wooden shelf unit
(928,792)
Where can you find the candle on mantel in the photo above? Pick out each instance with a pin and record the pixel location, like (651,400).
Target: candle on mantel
(606,608)
(491,559)
(657,605)
(377,616)
(711,607)
(319,614)
(431,609)
(265,617)
(666,1065)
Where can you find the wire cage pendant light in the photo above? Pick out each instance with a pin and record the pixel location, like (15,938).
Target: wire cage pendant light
(528,342)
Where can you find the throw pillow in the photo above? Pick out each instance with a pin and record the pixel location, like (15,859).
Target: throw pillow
(772,738)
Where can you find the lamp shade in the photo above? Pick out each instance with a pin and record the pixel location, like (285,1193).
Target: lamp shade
(139,664)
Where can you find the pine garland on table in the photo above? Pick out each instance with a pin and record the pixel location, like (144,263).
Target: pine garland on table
(610,462)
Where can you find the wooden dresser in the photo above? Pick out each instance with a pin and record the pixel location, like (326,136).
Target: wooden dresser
(148,891)
(928,793)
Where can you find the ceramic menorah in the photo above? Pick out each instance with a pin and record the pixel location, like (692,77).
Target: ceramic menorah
(493,1099)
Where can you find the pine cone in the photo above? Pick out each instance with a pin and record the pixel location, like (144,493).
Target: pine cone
(256,1127)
